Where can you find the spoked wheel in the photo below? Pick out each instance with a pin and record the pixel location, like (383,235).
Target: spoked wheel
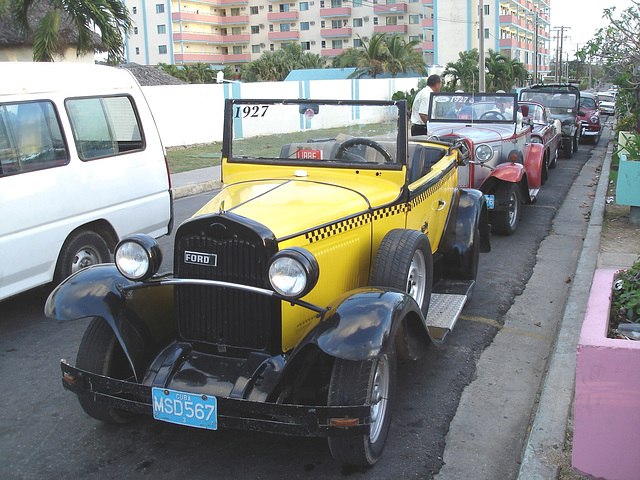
(404,261)
(505,222)
(357,383)
(100,352)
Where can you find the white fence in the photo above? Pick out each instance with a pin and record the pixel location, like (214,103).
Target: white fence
(192,114)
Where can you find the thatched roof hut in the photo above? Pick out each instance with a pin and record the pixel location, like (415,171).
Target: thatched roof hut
(148,76)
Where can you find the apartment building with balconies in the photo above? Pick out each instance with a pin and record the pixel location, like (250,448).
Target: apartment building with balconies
(233,32)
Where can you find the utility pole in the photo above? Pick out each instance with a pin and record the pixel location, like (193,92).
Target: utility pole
(481,79)
(535,50)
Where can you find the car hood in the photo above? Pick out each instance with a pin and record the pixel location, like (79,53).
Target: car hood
(476,133)
(563,117)
(290,206)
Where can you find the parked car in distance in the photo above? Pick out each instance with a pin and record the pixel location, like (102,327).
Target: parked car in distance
(335,247)
(546,131)
(607,103)
(563,102)
(81,166)
(591,124)
(503,162)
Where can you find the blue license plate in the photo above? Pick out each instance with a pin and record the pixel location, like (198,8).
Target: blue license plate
(190,409)
(491,201)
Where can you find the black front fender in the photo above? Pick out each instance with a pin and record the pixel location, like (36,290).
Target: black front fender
(361,324)
(96,292)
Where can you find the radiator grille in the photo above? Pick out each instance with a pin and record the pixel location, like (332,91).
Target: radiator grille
(224,317)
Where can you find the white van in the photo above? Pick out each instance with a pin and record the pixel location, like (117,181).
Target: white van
(81,166)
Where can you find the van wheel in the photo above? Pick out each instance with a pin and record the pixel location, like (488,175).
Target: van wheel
(100,352)
(404,261)
(81,249)
(373,382)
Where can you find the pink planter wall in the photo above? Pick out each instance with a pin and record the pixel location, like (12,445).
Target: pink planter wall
(606,438)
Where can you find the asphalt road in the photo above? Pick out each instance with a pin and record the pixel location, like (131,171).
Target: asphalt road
(45,434)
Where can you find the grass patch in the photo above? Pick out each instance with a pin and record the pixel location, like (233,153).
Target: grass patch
(183,159)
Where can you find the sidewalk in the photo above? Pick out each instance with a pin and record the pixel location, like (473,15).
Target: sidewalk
(193,182)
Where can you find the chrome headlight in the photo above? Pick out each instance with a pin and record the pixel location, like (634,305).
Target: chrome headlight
(293,272)
(536,140)
(138,257)
(484,153)
(594,119)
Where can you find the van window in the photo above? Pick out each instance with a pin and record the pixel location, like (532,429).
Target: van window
(104,126)
(30,138)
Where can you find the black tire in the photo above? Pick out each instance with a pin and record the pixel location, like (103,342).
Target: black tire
(554,162)
(81,249)
(100,352)
(506,222)
(595,139)
(544,171)
(404,261)
(567,148)
(576,141)
(357,383)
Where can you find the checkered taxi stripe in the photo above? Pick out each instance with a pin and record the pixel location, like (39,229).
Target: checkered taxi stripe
(366,218)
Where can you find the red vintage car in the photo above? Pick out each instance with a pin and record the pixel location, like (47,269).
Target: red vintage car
(546,131)
(590,121)
(505,164)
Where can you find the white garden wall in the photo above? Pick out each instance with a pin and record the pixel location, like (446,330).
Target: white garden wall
(192,114)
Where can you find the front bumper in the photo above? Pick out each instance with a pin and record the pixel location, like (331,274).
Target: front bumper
(286,419)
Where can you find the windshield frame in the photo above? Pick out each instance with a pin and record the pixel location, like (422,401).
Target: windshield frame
(476,104)
(307,109)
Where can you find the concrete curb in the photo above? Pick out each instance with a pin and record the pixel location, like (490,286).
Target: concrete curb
(196,188)
(548,432)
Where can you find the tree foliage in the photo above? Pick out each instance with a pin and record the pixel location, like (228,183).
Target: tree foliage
(382,54)
(617,47)
(275,66)
(502,72)
(110,17)
(463,73)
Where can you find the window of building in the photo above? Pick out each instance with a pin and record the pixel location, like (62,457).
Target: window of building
(284,7)
(236,31)
(415,38)
(30,138)
(162,49)
(159,8)
(271,27)
(336,23)
(323,24)
(305,46)
(255,48)
(285,27)
(336,44)
(375,20)
(357,3)
(413,19)
(336,3)
(162,29)
(323,44)
(271,47)
(134,10)
(486,33)
(255,29)
(486,9)
(304,6)
(237,50)
(96,133)
(357,22)
(135,30)
(235,12)
(391,20)
(137,50)
(357,43)
(253,10)
(413,1)
(270,8)
(304,25)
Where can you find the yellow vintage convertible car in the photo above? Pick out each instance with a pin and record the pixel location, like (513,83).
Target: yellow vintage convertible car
(337,245)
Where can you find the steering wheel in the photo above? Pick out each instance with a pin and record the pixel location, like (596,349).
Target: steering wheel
(492,115)
(341,152)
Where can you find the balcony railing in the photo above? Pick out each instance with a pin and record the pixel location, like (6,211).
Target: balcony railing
(279,36)
(335,32)
(390,8)
(211,58)
(282,16)
(390,28)
(335,12)
(210,38)
(210,19)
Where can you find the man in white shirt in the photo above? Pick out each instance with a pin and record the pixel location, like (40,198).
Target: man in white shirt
(420,109)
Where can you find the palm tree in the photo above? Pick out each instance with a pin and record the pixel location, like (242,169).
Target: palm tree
(369,61)
(110,17)
(464,72)
(499,73)
(275,66)
(403,57)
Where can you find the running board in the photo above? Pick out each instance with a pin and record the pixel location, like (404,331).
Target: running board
(447,301)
